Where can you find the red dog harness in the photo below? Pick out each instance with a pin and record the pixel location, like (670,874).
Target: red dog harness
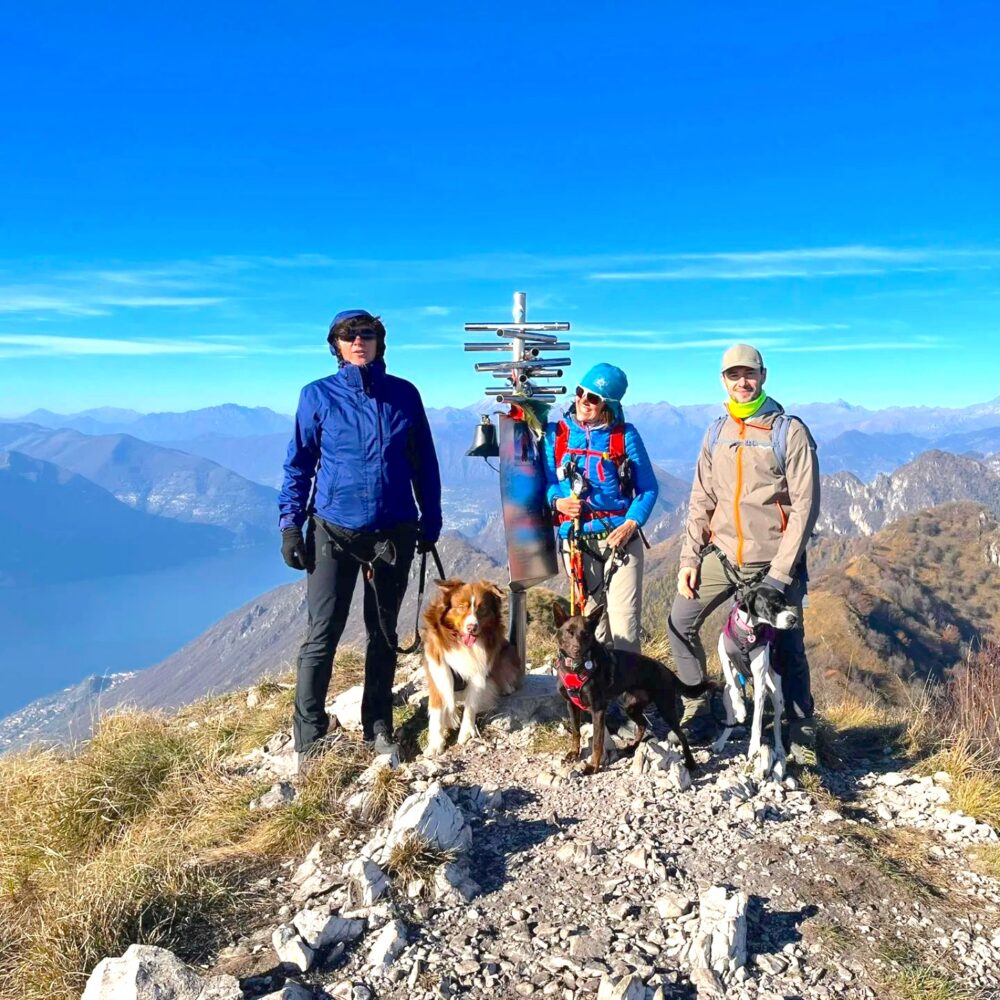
(575,680)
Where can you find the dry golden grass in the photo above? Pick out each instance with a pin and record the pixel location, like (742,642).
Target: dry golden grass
(143,834)
(853,730)
(549,737)
(412,858)
(987,859)
(904,976)
(975,780)
(900,855)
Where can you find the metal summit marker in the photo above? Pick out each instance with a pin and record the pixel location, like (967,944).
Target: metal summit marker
(531,550)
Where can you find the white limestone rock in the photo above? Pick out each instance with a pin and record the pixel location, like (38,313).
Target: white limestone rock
(453,882)
(390,942)
(434,818)
(628,988)
(366,881)
(221,988)
(347,707)
(320,928)
(144,972)
(721,941)
(291,948)
(281,793)
(291,991)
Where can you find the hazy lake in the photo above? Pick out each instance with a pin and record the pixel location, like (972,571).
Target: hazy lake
(53,636)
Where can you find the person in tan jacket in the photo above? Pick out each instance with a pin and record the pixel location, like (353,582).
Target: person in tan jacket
(754,504)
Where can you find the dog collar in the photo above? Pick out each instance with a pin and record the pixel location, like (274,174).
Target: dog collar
(564,663)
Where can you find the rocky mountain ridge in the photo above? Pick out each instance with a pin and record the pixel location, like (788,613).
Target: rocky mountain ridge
(642,882)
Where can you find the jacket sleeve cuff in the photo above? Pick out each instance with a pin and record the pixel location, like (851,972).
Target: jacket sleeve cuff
(287,521)
(690,562)
(775,582)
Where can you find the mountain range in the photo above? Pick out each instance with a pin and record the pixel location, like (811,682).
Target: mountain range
(154,479)
(886,612)
(56,525)
(103,497)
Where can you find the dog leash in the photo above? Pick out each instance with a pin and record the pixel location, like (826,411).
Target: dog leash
(742,587)
(417,637)
(385,550)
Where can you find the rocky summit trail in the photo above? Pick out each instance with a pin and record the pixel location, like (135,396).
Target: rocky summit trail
(641,881)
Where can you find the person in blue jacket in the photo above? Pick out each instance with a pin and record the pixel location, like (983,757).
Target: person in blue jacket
(361,477)
(602,489)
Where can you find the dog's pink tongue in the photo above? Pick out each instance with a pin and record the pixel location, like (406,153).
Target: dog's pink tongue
(469,639)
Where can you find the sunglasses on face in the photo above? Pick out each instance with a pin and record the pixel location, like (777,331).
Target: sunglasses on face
(348,336)
(588,397)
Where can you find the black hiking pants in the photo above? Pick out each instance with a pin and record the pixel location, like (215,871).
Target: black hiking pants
(332,576)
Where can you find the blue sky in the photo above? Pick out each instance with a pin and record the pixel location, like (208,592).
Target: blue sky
(187,195)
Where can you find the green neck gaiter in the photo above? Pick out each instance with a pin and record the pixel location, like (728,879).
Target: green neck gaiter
(743,411)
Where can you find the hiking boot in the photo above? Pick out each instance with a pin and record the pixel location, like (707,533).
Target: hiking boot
(802,742)
(697,721)
(381,741)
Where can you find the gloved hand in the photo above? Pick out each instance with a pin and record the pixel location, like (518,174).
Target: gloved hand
(774,584)
(424,545)
(293,548)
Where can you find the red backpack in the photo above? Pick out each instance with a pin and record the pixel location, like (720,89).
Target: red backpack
(616,453)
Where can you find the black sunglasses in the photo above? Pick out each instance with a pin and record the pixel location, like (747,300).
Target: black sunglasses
(347,336)
(588,397)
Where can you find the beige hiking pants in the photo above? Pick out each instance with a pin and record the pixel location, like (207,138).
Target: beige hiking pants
(623,601)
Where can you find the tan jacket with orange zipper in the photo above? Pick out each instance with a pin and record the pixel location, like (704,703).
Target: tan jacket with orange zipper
(741,500)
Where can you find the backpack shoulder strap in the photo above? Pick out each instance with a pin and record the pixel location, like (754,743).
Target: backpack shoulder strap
(779,438)
(562,441)
(714,431)
(616,444)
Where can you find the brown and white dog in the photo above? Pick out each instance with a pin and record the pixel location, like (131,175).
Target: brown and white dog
(467,658)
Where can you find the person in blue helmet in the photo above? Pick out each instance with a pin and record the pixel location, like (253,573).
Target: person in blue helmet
(602,489)
(362,479)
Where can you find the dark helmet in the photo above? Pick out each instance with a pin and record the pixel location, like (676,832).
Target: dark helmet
(353,320)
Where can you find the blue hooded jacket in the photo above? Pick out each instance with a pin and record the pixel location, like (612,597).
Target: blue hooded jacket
(364,436)
(602,474)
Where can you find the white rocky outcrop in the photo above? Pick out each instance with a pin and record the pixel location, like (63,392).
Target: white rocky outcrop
(346,707)
(720,945)
(904,799)
(431,816)
(366,881)
(319,929)
(291,948)
(391,940)
(145,972)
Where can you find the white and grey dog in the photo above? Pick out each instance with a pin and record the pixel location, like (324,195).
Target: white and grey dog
(746,650)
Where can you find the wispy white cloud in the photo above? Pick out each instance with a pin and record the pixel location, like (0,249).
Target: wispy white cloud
(17,301)
(802,262)
(624,343)
(22,345)
(708,328)
(434,310)
(24,301)
(921,344)
(160,302)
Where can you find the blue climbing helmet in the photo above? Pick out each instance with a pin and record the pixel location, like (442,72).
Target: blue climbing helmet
(610,383)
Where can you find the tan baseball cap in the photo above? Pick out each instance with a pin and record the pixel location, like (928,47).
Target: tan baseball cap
(741,356)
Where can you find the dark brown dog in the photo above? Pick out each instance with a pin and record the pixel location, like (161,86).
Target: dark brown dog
(590,677)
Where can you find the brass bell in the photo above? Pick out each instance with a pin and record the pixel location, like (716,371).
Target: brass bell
(484,441)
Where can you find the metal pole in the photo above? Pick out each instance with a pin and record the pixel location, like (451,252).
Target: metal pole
(518,599)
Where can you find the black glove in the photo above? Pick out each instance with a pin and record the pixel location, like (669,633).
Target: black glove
(293,548)
(774,584)
(424,545)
